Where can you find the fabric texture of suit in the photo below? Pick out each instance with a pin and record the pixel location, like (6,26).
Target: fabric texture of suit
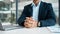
(46,14)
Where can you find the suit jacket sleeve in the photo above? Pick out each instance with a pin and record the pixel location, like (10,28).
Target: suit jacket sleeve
(22,18)
(50,18)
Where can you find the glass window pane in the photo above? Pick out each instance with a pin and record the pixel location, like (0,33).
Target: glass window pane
(8,11)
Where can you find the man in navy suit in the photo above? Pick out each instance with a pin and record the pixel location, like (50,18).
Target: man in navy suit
(37,14)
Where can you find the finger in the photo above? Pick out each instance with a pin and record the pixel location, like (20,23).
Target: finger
(27,21)
(31,18)
(27,25)
(27,18)
(30,22)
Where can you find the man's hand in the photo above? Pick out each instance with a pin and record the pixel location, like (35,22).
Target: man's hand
(30,23)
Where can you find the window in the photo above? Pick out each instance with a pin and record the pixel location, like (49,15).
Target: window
(7,11)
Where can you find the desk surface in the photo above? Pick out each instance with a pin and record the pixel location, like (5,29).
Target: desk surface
(37,30)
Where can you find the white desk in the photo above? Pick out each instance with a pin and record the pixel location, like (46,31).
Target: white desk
(20,30)
(37,30)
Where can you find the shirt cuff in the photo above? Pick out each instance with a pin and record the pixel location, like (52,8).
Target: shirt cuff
(39,24)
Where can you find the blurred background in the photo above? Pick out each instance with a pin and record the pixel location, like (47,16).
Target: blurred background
(10,10)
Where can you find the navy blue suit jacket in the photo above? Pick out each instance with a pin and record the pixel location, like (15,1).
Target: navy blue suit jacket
(46,15)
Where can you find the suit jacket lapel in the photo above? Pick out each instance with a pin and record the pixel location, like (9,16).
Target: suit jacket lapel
(40,10)
(31,10)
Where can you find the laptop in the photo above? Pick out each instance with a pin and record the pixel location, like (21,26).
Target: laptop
(8,26)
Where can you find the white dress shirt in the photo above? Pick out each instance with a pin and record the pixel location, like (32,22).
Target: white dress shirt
(35,11)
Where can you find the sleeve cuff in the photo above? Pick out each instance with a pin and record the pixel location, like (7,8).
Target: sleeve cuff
(39,24)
